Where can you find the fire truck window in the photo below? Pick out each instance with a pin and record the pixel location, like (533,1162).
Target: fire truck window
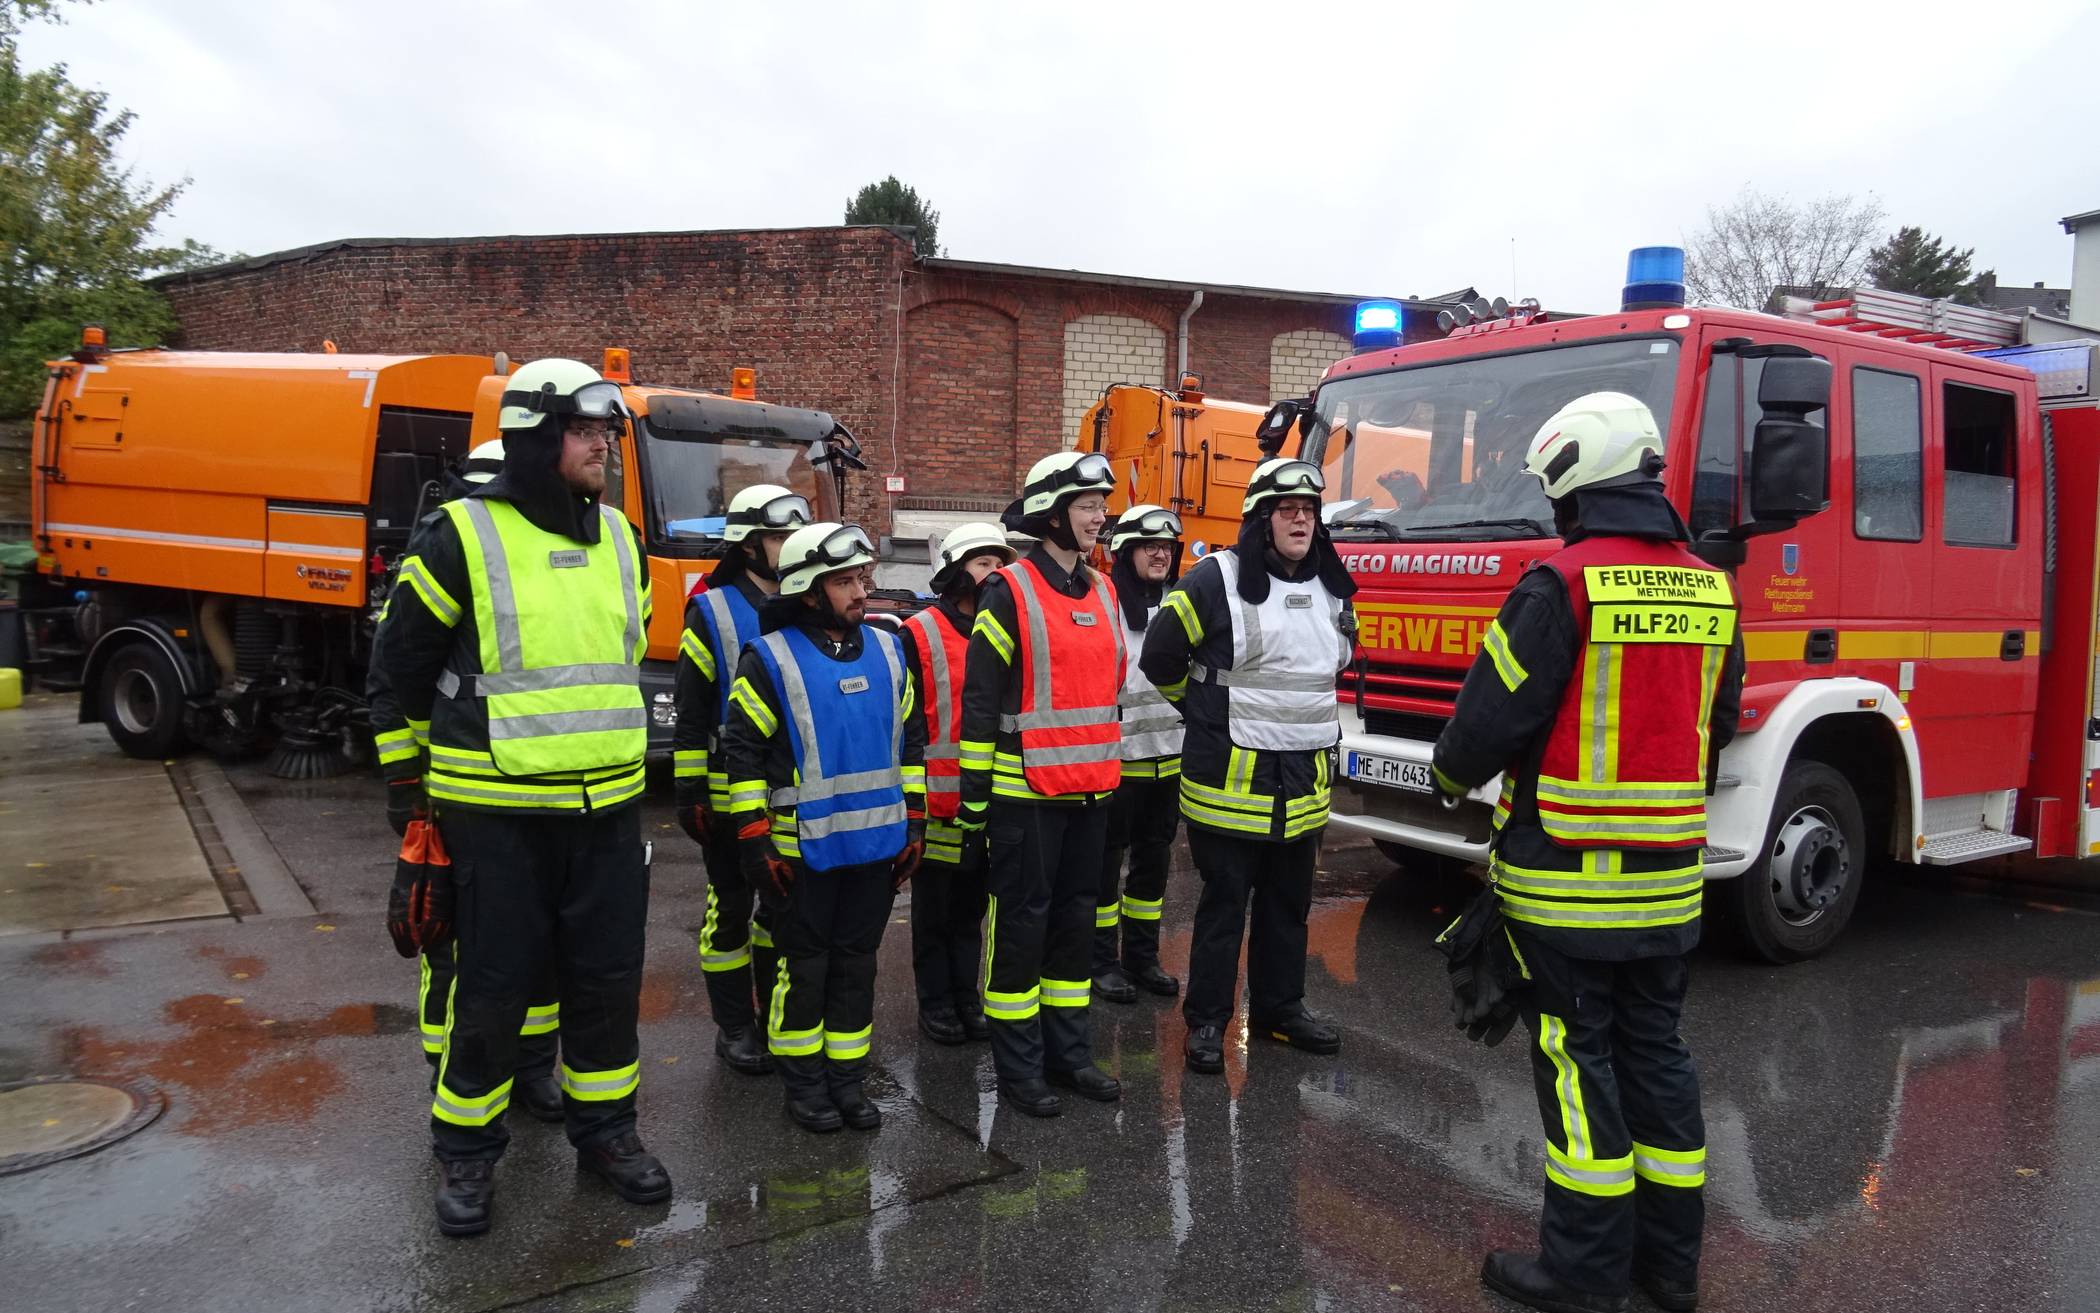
(1978,429)
(1720,439)
(1888,456)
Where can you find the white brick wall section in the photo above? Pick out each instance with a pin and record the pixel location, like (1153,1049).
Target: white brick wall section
(1299,357)
(1104,349)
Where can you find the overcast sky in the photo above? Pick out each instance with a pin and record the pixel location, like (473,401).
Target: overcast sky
(1394,148)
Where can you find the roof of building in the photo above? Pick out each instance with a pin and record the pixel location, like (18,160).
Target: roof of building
(2043,300)
(989,269)
(2073,222)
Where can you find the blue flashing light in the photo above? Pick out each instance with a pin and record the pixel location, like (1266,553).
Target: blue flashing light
(1379,324)
(1654,278)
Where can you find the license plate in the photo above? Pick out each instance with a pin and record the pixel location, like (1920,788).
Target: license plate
(1391,772)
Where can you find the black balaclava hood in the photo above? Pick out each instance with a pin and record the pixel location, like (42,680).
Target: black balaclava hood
(958,586)
(742,558)
(531,481)
(1630,510)
(1137,595)
(1040,526)
(1257,552)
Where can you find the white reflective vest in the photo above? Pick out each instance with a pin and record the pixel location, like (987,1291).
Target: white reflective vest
(1151,725)
(1285,653)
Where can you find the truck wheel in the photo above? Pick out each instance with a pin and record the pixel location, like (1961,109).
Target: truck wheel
(1792,905)
(142,702)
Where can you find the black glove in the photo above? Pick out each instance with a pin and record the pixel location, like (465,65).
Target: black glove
(762,865)
(420,906)
(405,801)
(907,863)
(1485,971)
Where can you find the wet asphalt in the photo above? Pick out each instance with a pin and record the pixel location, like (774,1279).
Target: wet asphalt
(1909,1124)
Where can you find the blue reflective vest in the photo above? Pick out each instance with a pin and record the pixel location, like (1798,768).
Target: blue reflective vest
(727,622)
(845,724)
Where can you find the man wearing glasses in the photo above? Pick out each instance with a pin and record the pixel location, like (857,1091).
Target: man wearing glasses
(827,769)
(1249,643)
(736,948)
(516,633)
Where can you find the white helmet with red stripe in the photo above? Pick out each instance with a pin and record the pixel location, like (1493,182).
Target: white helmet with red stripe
(1599,439)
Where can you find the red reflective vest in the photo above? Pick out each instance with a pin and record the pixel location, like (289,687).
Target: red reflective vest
(941,652)
(1071,669)
(1625,762)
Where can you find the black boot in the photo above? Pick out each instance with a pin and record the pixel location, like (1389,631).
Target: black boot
(742,1048)
(975,1027)
(1204,1050)
(942,1026)
(1149,977)
(1110,983)
(1089,1081)
(464,1190)
(854,1109)
(539,1095)
(1032,1096)
(632,1171)
(1674,1294)
(1303,1031)
(1522,1278)
(808,1096)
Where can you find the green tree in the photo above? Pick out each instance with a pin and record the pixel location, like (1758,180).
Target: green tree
(76,225)
(1914,261)
(891,202)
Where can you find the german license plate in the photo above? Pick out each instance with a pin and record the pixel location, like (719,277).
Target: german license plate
(1391,772)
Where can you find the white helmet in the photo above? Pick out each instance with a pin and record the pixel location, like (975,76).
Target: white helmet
(1597,439)
(816,550)
(765,508)
(1282,476)
(1055,480)
(1144,523)
(485,462)
(557,387)
(965,541)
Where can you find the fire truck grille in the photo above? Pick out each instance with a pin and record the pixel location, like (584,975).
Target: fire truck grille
(1432,691)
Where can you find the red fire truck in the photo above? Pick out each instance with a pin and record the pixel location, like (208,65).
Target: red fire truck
(1906,495)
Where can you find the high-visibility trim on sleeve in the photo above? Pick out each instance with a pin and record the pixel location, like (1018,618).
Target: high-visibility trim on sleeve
(396,745)
(435,598)
(1496,644)
(695,651)
(1178,602)
(994,633)
(914,779)
(975,754)
(689,763)
(747,796)
(745,696)
(421,729)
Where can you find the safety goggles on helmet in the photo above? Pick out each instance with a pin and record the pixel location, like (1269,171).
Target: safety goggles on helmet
(844,546)
(600,400)
(1089,473)
(1154,524)
(1286,478)
(779,513)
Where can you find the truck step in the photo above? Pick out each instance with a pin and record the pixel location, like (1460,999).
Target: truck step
(1970,846)
(1712,856)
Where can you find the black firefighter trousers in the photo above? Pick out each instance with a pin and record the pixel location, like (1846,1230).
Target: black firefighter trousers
(1277,878)
(1042,873)
(947,927)
(1619,1096)
(538,1038)
(737,957)
(570,890)
(820,1018)
(1141,821)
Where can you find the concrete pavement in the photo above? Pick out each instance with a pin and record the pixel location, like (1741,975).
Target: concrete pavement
(1909,1124)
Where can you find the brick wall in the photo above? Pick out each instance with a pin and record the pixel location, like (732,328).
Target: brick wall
(1299,357)
(983,383)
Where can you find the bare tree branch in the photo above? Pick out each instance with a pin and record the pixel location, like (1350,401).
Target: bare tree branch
(1760,241)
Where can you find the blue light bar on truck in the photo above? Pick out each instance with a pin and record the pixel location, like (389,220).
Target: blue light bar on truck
(1378,324)
(2061,369)
(1654,278)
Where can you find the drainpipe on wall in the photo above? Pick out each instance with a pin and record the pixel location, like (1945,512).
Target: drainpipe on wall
(1181,367)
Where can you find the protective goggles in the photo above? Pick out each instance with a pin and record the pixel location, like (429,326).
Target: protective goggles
(846,545)
(779,513)
(599,400)
(1152,524)
(1297,479)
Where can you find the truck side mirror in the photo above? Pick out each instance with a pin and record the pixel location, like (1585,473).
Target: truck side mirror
(1790,456)
(1275,427)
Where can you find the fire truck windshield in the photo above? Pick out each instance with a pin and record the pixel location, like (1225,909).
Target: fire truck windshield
(1436,451)
(690,478)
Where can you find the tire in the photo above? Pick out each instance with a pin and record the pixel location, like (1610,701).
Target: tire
(141,700)
(1793,904)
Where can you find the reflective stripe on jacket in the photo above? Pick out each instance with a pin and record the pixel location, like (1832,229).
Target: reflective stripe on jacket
(1151,724)
(1285,652)
(941,651)
(1071,665)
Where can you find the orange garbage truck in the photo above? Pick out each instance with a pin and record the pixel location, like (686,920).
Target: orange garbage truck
(217,531)
(1179,449)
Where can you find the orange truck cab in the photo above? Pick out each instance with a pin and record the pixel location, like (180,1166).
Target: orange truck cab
(1181,450)
(1908,498)
(217,530)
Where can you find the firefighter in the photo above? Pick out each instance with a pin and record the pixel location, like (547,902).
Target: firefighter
(736,938)
(1041,758)
(401,748)
(518,637)
(1146,543)
(1258,632)
(1603,692)
(826,758)
(947,901)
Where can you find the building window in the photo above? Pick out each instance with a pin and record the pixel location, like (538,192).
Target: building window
(1977,429)
(1888,456)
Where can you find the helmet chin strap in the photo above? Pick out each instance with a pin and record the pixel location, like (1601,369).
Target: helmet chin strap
(755,556)
(1059,531)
